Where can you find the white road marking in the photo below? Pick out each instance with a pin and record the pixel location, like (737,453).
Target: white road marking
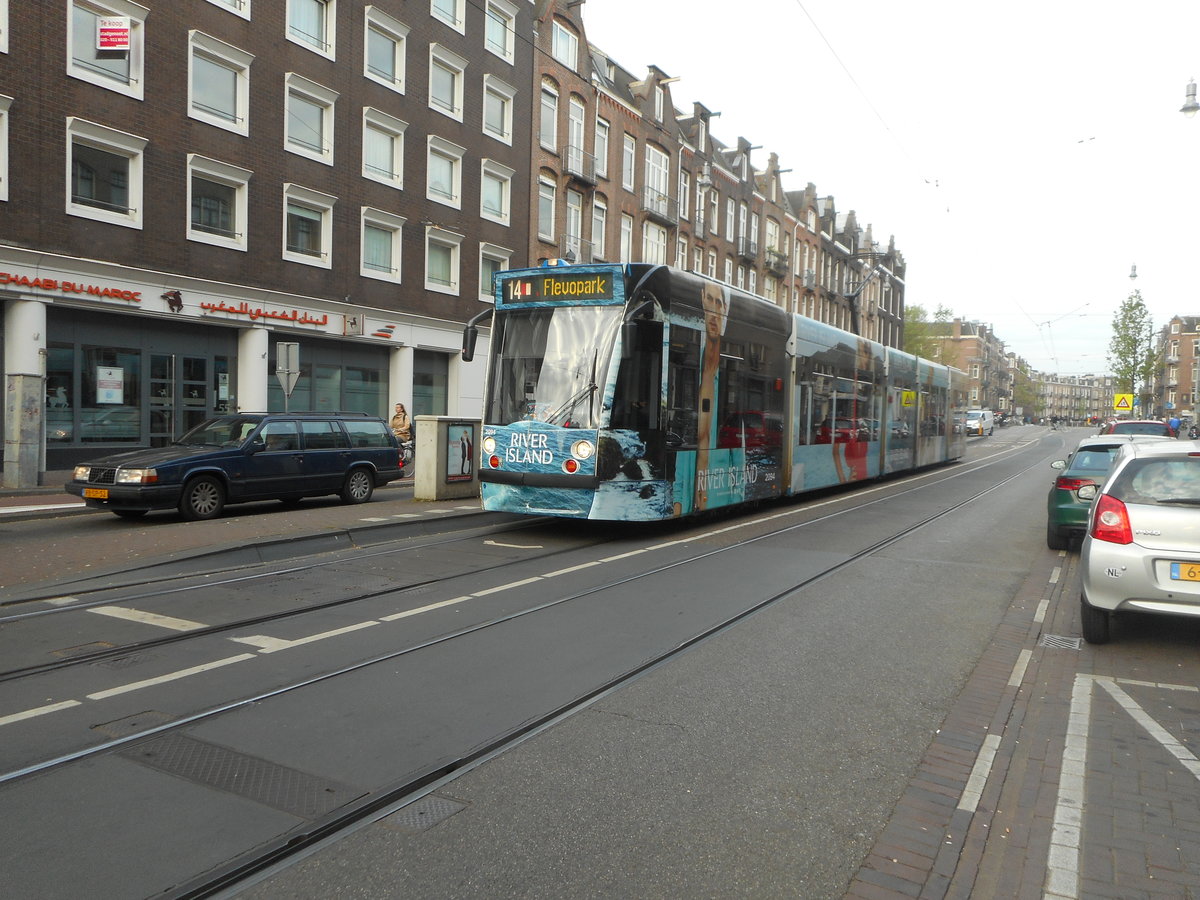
(38,711)
(147,618)
(274,645)
(1062,863)
(568,571)
(979,773)
(1040,615)
(46,507)
(1018,672)
(1055,575)
(507,587)
(491,543)
(423,609)
(170,676)
(61,601)
(374,519)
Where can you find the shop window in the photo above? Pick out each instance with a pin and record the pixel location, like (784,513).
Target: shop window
(431,378)
(110,385)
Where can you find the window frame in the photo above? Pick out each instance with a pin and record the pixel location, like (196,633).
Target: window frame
(320,96)
(548,142)
(135,86)
(116,143)
(378,120)
(603,127)
(313,200)
(239,8)
(456,154)
(547,188)
(233,58)
(458,23)
(379,21)
(327,45)
(628,161)
(5,103)
(231,176)
(452,241)
(385,221)
(496,253)
(599,218)
(560,33)
(495,87)
(490,168)
(447,60)
(507,12)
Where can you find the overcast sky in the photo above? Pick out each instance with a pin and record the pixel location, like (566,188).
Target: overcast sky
(1024,155)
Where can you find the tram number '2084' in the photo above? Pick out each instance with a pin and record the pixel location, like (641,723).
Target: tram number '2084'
(724,479)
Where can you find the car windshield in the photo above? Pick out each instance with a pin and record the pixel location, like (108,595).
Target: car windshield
(221,432)
(1141,428)
(1162,481)
(1093,459)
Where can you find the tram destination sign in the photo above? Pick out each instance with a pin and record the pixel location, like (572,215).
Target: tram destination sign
(559,286)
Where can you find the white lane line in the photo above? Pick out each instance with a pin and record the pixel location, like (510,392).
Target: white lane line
(424,609)
(170,676)
(1018,672)
(274,645)
(1062,861)
(507,587)
(491,543)
(38,711)
(147,618)
(407,516)
(374,519)
(47,507)
(979,773)
(1040,615)
(571,569)
(1055,574)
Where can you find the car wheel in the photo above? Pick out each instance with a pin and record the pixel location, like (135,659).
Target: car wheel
(1055,539)
(203,498)
(130,513)
(358,487)
(1096,622)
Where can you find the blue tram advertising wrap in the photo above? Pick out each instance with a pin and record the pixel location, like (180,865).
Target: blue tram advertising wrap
(639,392)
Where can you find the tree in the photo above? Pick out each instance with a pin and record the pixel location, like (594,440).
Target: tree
(921,336)
(1131,354)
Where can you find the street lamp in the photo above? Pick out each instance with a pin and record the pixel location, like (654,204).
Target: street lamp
(1190,106)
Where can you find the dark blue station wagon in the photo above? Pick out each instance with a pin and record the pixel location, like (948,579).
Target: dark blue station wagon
(243,457)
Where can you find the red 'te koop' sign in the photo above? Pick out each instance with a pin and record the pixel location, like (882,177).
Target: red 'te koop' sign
(112,33)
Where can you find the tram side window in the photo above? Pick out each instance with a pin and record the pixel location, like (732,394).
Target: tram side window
(683,389)
(822,408)
(636,397)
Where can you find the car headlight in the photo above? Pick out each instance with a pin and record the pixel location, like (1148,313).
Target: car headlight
(136,476)
(82,473)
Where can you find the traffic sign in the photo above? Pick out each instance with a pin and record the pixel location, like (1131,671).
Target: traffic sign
(1123,402)
(287,366)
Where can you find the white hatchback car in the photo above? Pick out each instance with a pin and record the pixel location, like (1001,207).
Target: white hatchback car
(1142,548)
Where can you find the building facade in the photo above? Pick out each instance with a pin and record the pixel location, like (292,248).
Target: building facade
(187,184)
(1178,379)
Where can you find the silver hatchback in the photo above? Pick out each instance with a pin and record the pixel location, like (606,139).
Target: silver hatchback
(1142,548)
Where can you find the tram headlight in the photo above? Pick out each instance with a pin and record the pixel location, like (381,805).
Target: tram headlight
(489,445)
(583,449)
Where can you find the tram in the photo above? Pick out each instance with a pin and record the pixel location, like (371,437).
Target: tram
(637,392)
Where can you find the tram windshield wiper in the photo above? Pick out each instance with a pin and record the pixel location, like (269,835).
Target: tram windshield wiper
(564,412)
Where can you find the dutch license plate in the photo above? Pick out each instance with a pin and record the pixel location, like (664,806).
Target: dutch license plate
(96,493)
(1185,571)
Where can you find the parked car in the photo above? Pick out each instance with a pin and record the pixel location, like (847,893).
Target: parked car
(842,430)
(242,457)
(1138,426)
(980,422)
(1080,478)
(1142,549)
(756,427)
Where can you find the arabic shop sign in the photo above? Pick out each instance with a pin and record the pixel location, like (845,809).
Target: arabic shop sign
(257,312)
(56,286)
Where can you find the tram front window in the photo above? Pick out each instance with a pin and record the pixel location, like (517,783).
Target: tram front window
(551,364)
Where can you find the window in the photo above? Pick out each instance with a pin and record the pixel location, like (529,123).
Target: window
(658,169)
(5,103)
(712,264)
(548,123)
(728,270)
(311,24)
(309,118)
(450,12)
(752,281)
(386,44)
(441,260)
(218,83)
(546,203)
(773,235)
(492,259)
(601,148)
(444,176)
(714,210)
(685,186)
(383,148)
(575,154)
(599,227)
(698,260)
(446,73)
(217,202)
(117,70)
(681,252)
(730,216)
(307,225)
(573,227)
(381,242)
(565,46)
(626,238)
(628,160)
(237,7)
(3,26)
(104,175)
(499,30)
(498,109)
(495,191)
(741,276)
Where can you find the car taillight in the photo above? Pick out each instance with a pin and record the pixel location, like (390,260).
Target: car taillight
(1110,521)
(1066,483)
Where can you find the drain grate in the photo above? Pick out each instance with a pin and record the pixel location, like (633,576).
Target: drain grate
(1059,642)
(265,782)
(424,813)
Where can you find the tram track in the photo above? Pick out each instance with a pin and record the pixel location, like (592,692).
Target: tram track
(389,797)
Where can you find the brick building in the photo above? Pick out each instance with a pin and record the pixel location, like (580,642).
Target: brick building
(205,178)
(1177,384)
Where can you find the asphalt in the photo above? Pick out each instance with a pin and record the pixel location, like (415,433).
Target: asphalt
(1061,770)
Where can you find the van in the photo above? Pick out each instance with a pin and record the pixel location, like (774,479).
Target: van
(241,457)
(980,422)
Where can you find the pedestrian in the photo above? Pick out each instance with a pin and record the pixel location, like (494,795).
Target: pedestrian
(1174,423)
(402,424)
